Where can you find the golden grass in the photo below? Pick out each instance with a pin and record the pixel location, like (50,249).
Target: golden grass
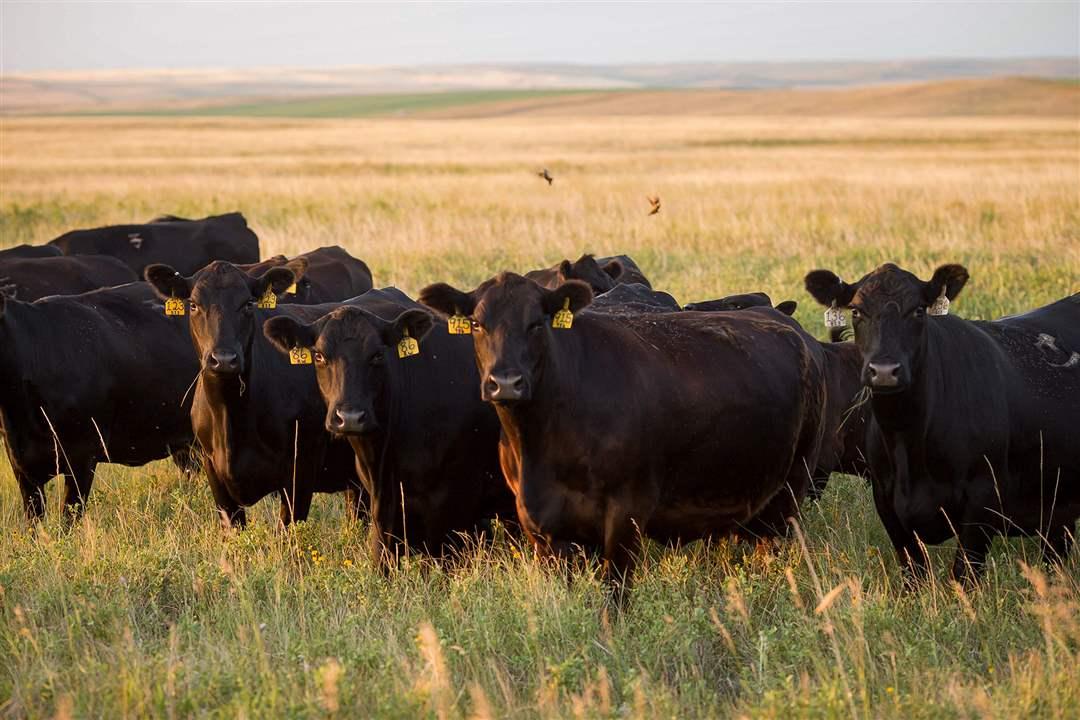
(146,608)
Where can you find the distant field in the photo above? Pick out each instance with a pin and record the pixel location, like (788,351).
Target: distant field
(146,608)
(983,97)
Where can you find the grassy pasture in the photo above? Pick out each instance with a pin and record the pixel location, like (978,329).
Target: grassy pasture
(147,608)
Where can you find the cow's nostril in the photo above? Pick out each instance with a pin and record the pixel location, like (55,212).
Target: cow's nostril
(492,384)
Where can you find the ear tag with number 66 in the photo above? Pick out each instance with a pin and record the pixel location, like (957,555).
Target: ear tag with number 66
(834,317)
(941,305)
(269,300)
(175,307)
(563,319)
(300,356)
(407,346)
(458,324)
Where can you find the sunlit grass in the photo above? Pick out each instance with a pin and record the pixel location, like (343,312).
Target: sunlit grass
(147,608)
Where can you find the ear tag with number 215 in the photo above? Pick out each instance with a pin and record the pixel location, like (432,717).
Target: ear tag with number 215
(563,319)
(174,307)
(407,346)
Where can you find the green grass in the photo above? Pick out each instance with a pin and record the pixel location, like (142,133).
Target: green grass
(348,106)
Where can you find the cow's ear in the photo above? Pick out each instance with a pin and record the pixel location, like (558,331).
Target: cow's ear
(613,269)
(577,292)
(167,283)
(415,321)
(299,267)
(566,269)
(285,333)
(950,277)
(788,307)
(277,280)
(828,289)
(448,300)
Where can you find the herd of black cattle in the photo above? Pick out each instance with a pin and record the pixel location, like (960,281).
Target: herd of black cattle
(576,402)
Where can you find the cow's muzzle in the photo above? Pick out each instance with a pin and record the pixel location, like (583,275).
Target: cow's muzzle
(224,362)
(505,388)
(887,376)
(344,420)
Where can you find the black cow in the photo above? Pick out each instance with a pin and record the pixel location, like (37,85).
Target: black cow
(741,302)
(90,378)
(186,245)
(326,274)
(974,427)
(34,278)
(676,426)
(29,251)
(416,423)
(257,418)
(602,274)
(633,298)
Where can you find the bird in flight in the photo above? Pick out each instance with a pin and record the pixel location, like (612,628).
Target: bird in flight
(655,202)
(546,175)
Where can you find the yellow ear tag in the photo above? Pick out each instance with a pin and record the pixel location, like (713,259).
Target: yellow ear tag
(563,319)
(407,346)
(269,300)
(458,324)
(300,356)
(175,306)
(291,290)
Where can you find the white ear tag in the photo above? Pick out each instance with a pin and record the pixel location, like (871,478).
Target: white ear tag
(834,317)
(939,306)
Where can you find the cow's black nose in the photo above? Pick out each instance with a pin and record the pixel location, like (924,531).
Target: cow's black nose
(505,388)
(347,420)
(883,374)
(223,361)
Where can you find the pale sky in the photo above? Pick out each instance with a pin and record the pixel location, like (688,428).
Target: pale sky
(43,35)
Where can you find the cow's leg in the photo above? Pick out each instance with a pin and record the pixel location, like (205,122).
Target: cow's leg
(294,506)
(229,511)
(622,545)
(33,495)
(77,482)
(973,544)
(909,552)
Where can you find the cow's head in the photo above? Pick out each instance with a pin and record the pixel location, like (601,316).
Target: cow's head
(356,360)
(742,302)
(512,328)
(222,301)
(600,278)
(889,316)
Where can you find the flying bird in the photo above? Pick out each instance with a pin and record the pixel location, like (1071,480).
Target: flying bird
(655,202)
(546,175)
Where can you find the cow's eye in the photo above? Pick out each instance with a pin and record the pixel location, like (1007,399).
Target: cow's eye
(376,359)
(536,326)
(193,307)
(318,357)
(855,313)
(919,312)
(476,326)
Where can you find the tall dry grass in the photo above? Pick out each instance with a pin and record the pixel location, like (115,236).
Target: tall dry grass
(146,608)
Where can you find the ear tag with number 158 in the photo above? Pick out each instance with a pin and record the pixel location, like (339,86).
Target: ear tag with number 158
(563,319)
(174,307)
(407,346)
